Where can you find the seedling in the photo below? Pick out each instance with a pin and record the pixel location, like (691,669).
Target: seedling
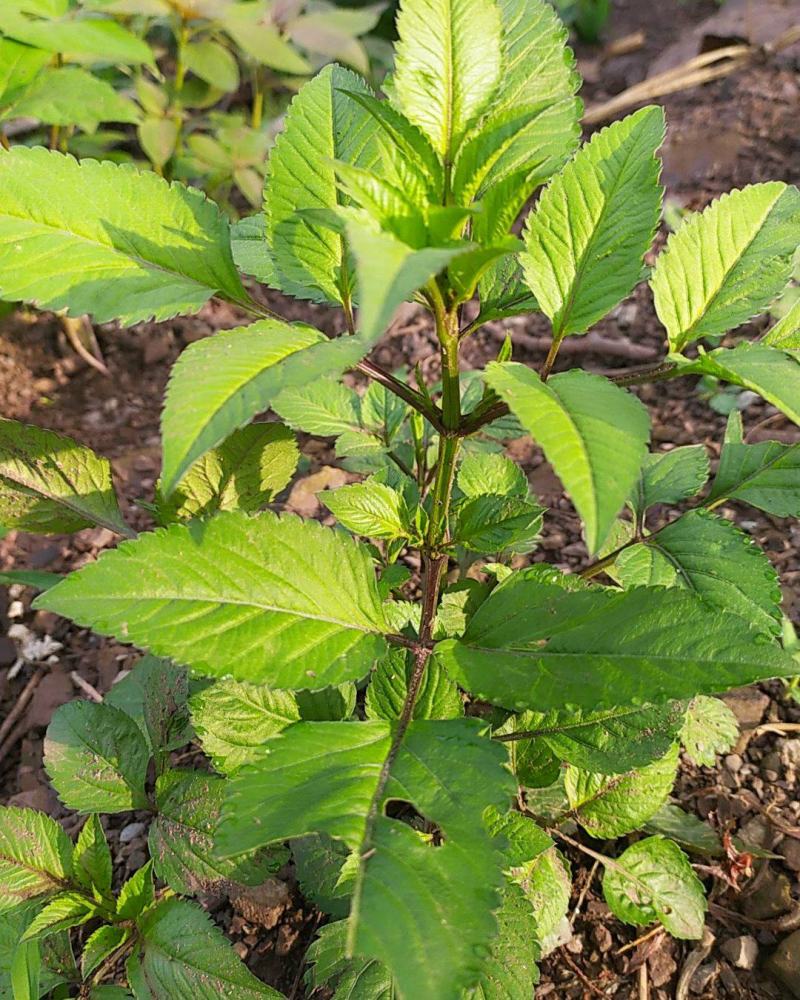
(411,700)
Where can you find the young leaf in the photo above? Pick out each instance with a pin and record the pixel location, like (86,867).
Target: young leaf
(447,65)
(66,910)
(587,237)
(593,433)
(326,871)
(324,407)
(653,880)
(91,859)
(71,236)
(497,523)
(710,728)
(727,263)
(612,805)
(670,476)
(786,332)
(371,508)
(181,838)
(323,776)
(765,475)
(73,96)
(181,952)
(96,758)
(691,833)
(100,945)
(213,63)
(271,617)
(355,978)
(534,645)
(712,558)
(547,886)
(438,696)
(323,124)
(244,473)
(770,373)
(479,474)
(19,66)
(35,857)
(90,38)
(251,253)
(154,694)
(51,484)
(137,894)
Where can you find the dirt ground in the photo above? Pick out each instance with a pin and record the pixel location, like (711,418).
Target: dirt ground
(726,134)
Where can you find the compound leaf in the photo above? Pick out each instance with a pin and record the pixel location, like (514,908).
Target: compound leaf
(73,236)
(324,776)
(653,880)
(670,477)
(35,857)
(91,859)
(271,616)
(51,484)
(66,910)
(587,237)
(593,433)
(727,263)
(181,953)
(447,65)
(533,645)
(97,758)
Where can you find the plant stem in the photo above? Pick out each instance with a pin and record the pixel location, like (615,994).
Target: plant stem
(258,100)
(414,399)
(549,361)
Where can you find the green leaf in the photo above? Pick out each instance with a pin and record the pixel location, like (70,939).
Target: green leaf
(251,252)
(670,477)
(371,508)
(91,859)
(533,645)
(52,958)
(323,124)
(610,742)
(593,433)
(490,473)
(786,332)
(497,523)
(272,616)
(19,66)
(182,953)
(727,263)
(244,473)
(354,978)
(770,373)
(88,38)
(691,833)
(388,272)
(35,857)
(438,696)
(612,805)
(181,838)
(158,137)
(137,894)
(213,63)
(712,558)
(66,910)
(35,578)
(326,871)
(100,945)
(72,96)
(51,484)
(653,880)
(323,777)
(72,236)
(154,694)
(447,66)
(96,758)
(710,728)
(547,886)
(25,971)
(324,407)
(588,234)
(261,39)
(765,475)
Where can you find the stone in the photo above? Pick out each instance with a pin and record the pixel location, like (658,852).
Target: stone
(747,704)
(702,977)
(790,849)
(131,832)
(784,964)
(733,763)
(741,952)
(772,898)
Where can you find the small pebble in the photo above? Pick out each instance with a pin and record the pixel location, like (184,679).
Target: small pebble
(131,832)
(742,951)
(733,762)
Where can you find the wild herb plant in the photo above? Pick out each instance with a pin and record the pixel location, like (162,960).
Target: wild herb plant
(411,700)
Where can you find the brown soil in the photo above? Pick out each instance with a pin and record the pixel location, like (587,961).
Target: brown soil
(726,134)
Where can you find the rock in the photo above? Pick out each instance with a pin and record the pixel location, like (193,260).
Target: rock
(741,951)
(703,977)
(785,963)
(131,832)
(771,766)
(791,753)
(790,849)
(772,898)
(261,904)
(733,763)
(747,704)
(756,832)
